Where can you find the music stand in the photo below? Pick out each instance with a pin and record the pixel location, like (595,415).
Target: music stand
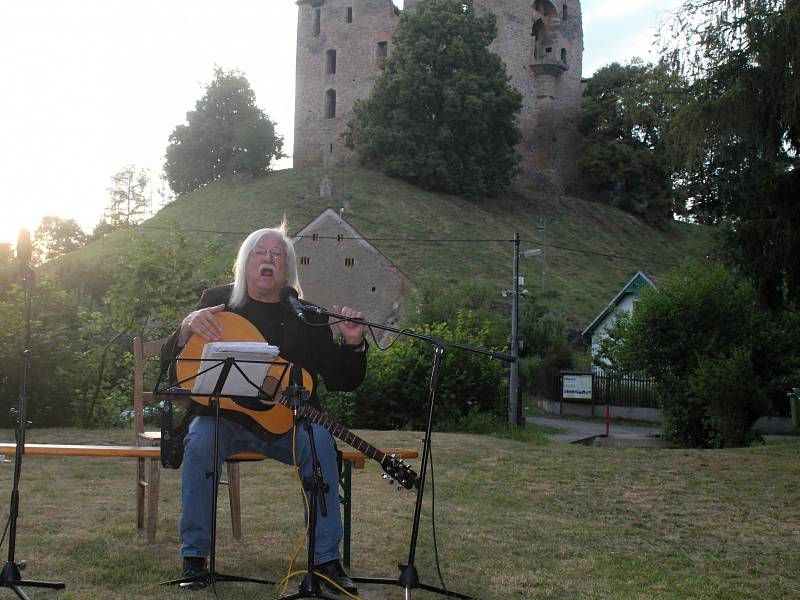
(10,576)
(212,577)
(409,578)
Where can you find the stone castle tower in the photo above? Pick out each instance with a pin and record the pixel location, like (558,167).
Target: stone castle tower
(341,43)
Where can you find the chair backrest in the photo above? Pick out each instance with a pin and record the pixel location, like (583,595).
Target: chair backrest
(141,351)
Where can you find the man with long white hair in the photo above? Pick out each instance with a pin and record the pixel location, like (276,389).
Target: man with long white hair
(265,264)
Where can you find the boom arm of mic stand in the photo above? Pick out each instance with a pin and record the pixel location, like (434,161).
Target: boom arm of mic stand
(318,310)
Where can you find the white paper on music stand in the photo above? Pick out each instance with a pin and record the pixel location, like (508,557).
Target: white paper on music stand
(235,384)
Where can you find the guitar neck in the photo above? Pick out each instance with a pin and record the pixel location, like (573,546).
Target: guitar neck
(344,434)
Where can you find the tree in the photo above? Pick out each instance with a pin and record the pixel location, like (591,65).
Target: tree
(719,359)
(55,237)
(225,134)
(739,131)
(395,390)
(442,111)
(625,121)
(61,369)
(129,204)
(158,279)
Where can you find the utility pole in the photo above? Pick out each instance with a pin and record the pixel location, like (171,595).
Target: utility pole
(543,228)
(513,378)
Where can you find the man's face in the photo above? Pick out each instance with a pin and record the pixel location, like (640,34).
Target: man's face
(266,269)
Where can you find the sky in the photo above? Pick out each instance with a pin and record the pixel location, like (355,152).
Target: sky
(90,86)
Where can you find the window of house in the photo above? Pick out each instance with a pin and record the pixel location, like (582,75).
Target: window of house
(304,260)
(316,22)
(339,237)
(349,262)
(330,62)
(330,104)
(382,50)
(314,237)
(348,14)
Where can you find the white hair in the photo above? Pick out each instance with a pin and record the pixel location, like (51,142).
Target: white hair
(239,294)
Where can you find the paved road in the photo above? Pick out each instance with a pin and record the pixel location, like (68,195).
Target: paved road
(576,429)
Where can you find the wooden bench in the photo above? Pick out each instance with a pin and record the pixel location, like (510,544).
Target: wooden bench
(352,459)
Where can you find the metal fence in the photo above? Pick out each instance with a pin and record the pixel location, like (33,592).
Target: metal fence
(625,390)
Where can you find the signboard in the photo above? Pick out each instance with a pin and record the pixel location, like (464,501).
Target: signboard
(576,386)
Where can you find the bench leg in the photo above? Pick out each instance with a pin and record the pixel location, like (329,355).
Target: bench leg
(141,484)
(152,499)
(235,497)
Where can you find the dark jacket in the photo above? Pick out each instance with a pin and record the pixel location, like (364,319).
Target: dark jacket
(313,348)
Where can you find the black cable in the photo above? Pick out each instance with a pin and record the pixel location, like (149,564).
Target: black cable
(433,522)
(446,241)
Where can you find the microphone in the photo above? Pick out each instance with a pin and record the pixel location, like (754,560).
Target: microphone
(288,296)
(296,376)
(24,252)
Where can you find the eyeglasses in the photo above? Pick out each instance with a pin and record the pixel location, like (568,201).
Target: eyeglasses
(261,253)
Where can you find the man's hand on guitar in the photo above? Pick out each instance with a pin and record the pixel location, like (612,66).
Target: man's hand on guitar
(203,323)
(353,333)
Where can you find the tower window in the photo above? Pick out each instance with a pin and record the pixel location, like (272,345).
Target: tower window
(330,149)
(564,12)
(339,237)
(349,262)
(316,22)
(548,50)
(304,260)
(382,51)
(330,62)
(348,14)
(563,55)
(330,104)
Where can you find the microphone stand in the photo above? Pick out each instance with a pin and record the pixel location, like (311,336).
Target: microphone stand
(409,578)
(10,576)
(316,487)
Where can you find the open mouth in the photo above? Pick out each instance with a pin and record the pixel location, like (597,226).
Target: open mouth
(266,270)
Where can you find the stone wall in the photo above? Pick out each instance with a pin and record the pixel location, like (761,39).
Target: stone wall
(540,42)
(335,268)
(353,30)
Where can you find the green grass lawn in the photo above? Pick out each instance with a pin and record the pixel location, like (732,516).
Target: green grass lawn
(515,519)
(593,249)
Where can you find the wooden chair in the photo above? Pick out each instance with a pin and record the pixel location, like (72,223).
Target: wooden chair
(148,469)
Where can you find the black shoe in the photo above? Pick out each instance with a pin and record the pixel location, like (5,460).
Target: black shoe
(334,571)
(194,567)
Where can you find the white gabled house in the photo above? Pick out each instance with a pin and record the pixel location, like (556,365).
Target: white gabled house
(624,301)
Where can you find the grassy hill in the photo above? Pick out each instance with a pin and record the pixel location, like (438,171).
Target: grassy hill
(591,250)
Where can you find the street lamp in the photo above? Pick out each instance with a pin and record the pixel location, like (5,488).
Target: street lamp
(513,377)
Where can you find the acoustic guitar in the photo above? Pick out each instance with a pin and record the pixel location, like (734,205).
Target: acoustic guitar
(273,414)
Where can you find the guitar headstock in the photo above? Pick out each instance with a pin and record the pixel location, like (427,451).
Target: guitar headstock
(398,471)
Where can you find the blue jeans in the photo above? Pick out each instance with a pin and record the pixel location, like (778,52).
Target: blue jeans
(196,491)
